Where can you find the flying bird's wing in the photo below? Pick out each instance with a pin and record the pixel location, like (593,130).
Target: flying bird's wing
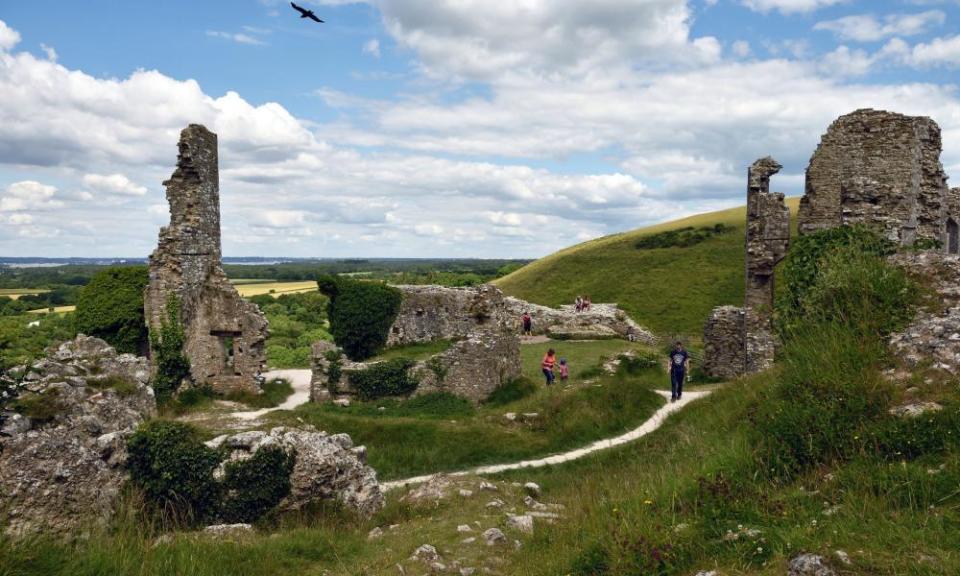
(315,19)
(299,9)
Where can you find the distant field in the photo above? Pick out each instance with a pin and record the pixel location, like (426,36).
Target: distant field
(15,293)
(242,281)
(275,288)
(56,310)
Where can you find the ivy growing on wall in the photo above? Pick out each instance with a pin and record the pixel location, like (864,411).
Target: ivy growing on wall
(167,342)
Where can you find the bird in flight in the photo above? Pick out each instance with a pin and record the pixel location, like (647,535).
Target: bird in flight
(304,13)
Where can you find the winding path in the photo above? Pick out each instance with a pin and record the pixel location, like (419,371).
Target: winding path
(652,423)
(298,378)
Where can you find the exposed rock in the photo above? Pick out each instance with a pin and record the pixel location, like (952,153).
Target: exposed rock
(225,334)
(327,467)
(63,476)
(426,554)
(464,528)
(601,321)
(464,493)
(496,503)
(809,565)
(879,168)
(375,534)
(494,536)
(432,491)
(429,313)
(707,573)
(522,523)
(916,409)
(488,486)
(228,530)
(532,489)
(843,557)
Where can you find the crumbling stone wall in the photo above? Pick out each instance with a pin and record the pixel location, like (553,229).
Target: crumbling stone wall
(600,322)
(724,349)
(739,340)
(430,313)
(879,168)
(225,334)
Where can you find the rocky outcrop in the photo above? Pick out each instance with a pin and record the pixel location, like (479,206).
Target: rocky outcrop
(429,313)
(327,467)
(882,169)
(225,334)
(600,322)
(62,459)
(472,368)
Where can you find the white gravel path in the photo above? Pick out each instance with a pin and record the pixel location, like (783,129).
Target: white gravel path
(298,378)
(647,427)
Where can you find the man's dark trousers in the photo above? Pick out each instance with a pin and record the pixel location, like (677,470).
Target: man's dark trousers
(676,383)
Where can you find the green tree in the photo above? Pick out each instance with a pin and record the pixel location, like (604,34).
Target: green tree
(167,344)
(111,307)
(360,314)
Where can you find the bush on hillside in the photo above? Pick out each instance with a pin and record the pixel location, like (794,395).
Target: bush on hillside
(173,367)
(388,378)
(253,487)
(110,307)
(360,314)
(174,469)
(682,237)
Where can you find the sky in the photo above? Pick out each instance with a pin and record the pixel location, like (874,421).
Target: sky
(438,128)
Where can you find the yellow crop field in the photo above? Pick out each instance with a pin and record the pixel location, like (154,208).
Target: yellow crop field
(56,310)
(276,288)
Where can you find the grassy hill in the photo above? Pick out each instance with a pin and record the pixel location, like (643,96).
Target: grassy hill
(670,290)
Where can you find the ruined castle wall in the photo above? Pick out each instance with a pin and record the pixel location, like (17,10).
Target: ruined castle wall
(724,351)
(429,313)
(878,168)
(225,334)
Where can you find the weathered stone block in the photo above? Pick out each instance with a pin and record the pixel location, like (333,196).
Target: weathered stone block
(724,348)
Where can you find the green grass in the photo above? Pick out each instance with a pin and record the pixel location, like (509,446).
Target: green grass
(274,393)
(669,290)
(423,435)
(420,351)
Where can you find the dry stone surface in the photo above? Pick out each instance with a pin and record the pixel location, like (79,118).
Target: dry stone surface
(879,168)
(724,352)
(601,321)
(64,476)
(327,467)
(225,334)
(429,313)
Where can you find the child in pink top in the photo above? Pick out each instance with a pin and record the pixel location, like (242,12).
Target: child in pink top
(564,370)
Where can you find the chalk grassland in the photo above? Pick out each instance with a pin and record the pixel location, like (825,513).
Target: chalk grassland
(250,288)
(440,432)
(16,293)
(669,290)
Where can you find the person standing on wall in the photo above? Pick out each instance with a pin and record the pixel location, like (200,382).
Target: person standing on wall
(526,322)
(679,364)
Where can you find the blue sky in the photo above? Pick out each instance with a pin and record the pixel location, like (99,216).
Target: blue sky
(438,128)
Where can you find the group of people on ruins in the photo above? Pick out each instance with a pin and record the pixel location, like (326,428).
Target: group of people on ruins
(582,303)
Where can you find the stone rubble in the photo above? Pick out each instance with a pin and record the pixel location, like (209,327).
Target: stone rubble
(809,565)
(64,476)
(327,467)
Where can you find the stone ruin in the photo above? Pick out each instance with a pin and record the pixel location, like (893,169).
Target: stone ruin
(739,340)
(485,352)
(225,334)
(601,321)
(881,169)
(876,168)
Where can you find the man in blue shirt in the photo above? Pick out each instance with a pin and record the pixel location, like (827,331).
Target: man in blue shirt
(679,362)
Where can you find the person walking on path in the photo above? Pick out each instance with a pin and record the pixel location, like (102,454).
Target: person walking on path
(526,322)
(679,363)
(549,361)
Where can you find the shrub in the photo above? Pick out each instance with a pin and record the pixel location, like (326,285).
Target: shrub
(360,314)
(253,487)
(388,378)
(681,237)
(41,408)
(121,385)
(334,370)
(908,438)
(167,343)
(111,307)
(516,389)
(174,469)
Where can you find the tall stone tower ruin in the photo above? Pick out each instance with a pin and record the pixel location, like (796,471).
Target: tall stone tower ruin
(225,334)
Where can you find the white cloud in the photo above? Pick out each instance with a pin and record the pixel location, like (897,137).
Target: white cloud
(789,6)
(49,51)
(846,62)
(8,37)
(870,28)
(238,37)
(280,218)
(938,52)
(372,47)
(28,195)
(741,48)
(113,184)
(19,219)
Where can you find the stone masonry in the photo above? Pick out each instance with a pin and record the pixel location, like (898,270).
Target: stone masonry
(741,340)
(882,169)
(225,334)
(429,313)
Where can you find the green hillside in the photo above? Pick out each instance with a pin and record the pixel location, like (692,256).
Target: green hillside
(670,290)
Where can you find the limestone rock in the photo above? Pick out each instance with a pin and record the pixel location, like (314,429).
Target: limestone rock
(809,565)
(432,491)
(64,476)
(532,489)
(494,536)
(225,334)
(426,554)
(327,467)
(916,409)
(601,321)
(724,347)
(523,523)
(429,313)
(228,530)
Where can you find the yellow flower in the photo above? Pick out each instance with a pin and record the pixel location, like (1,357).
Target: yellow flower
(648,502)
